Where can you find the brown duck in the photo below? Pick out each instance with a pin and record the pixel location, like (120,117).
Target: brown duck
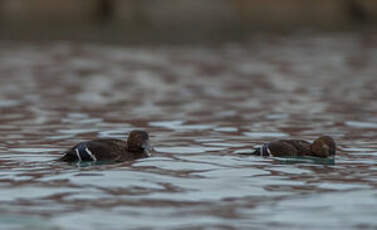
(323,146)
(109,149)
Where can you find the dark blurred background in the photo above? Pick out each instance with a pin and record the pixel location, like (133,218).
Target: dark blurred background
(177,20)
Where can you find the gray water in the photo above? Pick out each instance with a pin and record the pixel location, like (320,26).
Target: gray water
(202,106)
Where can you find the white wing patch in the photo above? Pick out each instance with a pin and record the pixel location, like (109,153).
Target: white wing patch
(269,152)
(78,155)
(90,154)
(265,151)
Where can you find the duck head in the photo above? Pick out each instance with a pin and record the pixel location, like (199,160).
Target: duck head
(324,146)
(138,142)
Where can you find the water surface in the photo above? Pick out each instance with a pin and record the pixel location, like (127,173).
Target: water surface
(202,106)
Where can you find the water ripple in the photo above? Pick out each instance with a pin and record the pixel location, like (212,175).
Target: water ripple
(203,107)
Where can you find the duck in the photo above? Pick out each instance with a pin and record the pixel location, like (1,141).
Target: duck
(323,146)
(110,149)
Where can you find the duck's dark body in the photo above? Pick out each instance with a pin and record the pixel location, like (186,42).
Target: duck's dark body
(108,149)
(322,147)
(285,148)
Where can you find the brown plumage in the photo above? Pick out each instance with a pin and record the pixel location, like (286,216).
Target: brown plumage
(109,149)
(322,147)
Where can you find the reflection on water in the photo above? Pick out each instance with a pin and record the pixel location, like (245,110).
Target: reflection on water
(204,107)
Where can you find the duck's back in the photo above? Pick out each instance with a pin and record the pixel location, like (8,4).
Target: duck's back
(289,148)
(101,149)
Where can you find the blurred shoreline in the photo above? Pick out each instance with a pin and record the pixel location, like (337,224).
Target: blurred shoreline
(179,21)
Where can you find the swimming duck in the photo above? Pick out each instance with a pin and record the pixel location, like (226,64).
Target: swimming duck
(109,149)
(323,146)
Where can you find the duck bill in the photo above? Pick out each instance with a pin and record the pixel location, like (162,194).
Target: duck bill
(148,149)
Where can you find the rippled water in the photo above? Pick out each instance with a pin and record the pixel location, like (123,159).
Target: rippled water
(203,106)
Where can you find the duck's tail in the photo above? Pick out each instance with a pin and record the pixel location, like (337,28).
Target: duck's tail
(68,157)
(263,151)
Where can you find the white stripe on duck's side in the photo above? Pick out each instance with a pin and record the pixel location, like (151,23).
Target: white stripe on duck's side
(83,153)
(265,151)
(78,155)
(269,152)
(90,154)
